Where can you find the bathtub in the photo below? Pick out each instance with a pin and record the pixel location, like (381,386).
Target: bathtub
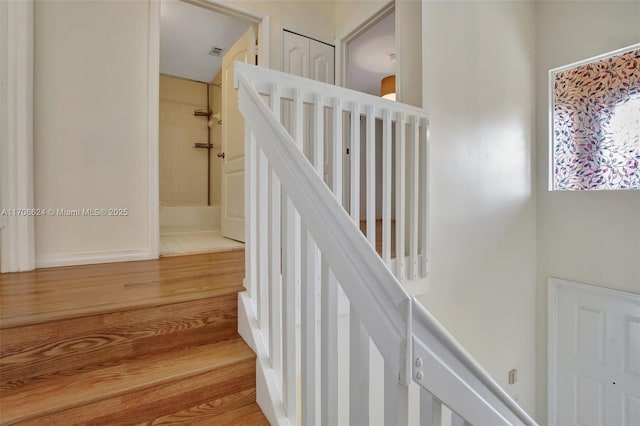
(189,218)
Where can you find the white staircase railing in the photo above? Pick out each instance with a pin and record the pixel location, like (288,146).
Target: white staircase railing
(317,359)
(385,140)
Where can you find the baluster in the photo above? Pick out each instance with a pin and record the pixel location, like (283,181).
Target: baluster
(400,196)
(413,200)
(430,409)
(424,183)
(337,150)
(250,220)
(298,136)
(371,176)
(386,187)
(318,136)
(396,398)
(275,295)
(289,311)
(457,420)
(329,347)
(308,329)
(298,121)
(355,165)
(275,289)
(358,338)
(262,181)
(359,347)
(446,415)
(318,161)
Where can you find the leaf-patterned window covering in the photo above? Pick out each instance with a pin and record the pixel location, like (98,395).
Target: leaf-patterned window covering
(596,124)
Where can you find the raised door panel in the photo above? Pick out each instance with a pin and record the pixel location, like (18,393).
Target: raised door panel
(598,345)
(296,54)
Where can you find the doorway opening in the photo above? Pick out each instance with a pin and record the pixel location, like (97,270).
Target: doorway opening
(369,53)
(197,44)
(368,64)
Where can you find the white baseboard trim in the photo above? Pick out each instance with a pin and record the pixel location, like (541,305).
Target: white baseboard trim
(72,259)
(267,395)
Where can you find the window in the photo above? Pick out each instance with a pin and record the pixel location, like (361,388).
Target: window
(595,123)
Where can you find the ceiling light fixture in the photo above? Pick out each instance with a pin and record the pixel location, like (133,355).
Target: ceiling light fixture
(388,87)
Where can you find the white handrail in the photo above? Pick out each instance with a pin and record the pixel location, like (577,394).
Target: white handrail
(414,344)
(287,83)
(404,127)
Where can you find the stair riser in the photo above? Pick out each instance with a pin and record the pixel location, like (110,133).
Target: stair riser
(37,352)
(185,401)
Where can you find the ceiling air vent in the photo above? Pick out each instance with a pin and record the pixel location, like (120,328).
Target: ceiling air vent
(215,51)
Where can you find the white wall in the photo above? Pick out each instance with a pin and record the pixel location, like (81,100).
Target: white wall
(91,132)
(409,49)
(478,86)
(90,142)
(591,237)
(4,101)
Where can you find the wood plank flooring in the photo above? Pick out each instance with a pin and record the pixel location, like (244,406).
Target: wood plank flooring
(138,343)
(140,373)
(149,342)
(57,293)
(363,228)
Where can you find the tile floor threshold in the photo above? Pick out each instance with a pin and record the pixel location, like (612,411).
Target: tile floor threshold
(195,242)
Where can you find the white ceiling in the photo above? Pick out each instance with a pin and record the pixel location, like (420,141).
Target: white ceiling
(369,60)
(187,33)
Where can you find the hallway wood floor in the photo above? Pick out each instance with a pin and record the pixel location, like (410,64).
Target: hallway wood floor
(67,292)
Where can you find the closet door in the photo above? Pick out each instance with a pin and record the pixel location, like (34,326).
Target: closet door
(309,58)
(296,54)
(321,62)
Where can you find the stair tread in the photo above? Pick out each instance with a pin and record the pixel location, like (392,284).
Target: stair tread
(35,352)
(61,392)
(249,415)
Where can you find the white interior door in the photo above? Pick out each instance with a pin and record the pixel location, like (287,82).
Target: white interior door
(232,221)
(598,356)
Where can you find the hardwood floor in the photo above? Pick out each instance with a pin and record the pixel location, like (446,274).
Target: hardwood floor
(363,228)
(57,293)
(152,342)
(148,385)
